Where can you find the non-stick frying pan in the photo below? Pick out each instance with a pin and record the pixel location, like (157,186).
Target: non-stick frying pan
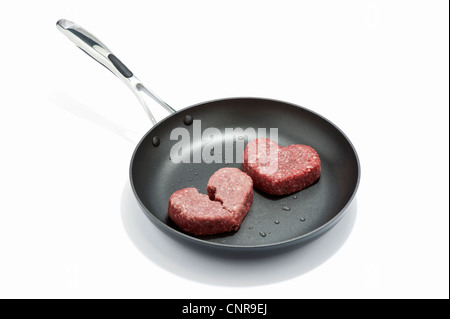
(273,221)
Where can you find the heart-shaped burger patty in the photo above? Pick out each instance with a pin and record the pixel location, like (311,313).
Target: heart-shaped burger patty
(280,170)
(234,189)
(230,195)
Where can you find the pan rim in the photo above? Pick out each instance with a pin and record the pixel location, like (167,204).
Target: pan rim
(296,240)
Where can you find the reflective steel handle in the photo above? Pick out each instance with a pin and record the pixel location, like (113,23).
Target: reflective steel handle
(99,52)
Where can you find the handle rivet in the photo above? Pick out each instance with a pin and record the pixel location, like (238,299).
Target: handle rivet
(188,120)
(156,141)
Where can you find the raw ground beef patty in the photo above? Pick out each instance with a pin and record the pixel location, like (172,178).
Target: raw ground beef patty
(280,170)
(230,195)
(234,189)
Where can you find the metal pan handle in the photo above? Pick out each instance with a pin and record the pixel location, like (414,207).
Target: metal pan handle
(99,52)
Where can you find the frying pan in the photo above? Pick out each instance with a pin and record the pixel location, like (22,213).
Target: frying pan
(273,221)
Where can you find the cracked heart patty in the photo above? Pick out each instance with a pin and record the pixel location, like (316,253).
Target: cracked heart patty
(230,195)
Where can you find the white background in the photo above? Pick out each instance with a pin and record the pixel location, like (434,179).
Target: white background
(69,224)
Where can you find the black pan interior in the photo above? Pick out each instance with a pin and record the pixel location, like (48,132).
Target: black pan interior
(154,177)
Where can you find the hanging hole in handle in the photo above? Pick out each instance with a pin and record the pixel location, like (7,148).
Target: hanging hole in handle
(66,24)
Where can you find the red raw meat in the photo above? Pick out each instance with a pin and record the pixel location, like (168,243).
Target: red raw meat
(280,170)
(234,189)
(230,196)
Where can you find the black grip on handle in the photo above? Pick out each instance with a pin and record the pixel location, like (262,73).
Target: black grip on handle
(120,66)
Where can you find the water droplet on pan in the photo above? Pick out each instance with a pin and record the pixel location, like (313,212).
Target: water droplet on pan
(295,197)
(277,222)
(302,219)
(262,234)
(196,173)
(286,208)
(250,227)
